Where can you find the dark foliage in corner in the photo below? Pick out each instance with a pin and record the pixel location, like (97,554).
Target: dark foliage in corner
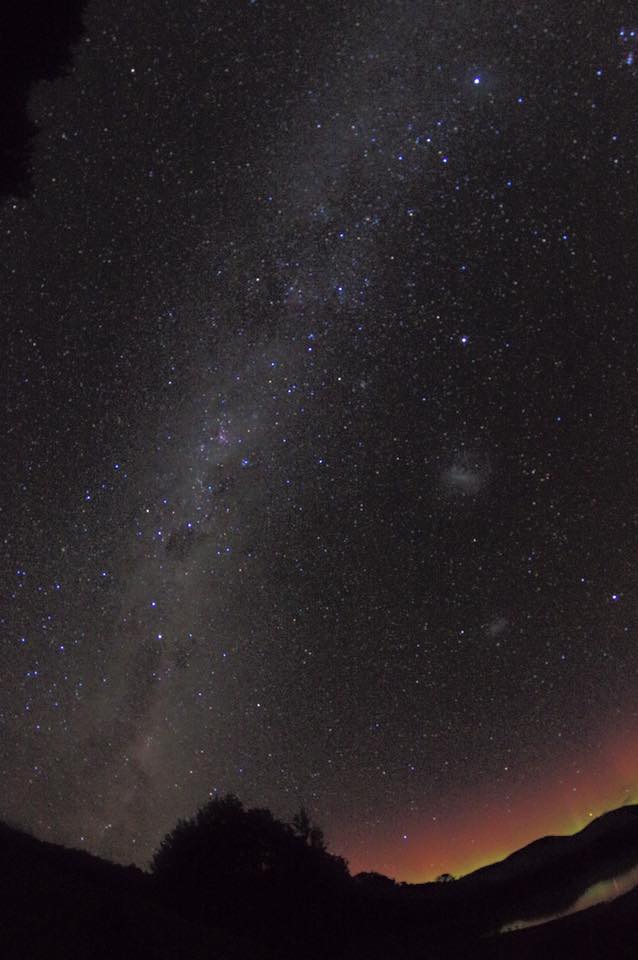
(36,43)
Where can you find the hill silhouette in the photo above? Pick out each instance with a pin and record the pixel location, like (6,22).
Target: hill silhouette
(239,884)
(552,850)
(546,876)
(58,902)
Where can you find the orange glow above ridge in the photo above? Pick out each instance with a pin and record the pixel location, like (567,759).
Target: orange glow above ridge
(486,827)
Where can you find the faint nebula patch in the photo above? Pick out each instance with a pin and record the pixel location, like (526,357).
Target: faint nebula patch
(466,475)
(497,626)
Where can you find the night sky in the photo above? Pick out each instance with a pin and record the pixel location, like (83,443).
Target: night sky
(320,451)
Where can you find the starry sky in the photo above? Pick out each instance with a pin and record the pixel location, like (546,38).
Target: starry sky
(320,441)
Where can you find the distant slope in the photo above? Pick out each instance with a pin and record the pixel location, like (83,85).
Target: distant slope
(608,834)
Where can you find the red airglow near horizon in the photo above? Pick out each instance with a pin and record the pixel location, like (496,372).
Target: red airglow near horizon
(460,841)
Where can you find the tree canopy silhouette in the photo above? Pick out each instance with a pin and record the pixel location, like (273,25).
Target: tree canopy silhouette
(307,830)
(246,870)
(36,42)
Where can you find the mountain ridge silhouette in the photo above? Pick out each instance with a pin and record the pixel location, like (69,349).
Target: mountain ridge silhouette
(61,902)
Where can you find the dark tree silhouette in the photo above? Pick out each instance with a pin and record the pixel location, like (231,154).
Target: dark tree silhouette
(307,830)
(301,824)
(36,43)
(248,872)
(371,880)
